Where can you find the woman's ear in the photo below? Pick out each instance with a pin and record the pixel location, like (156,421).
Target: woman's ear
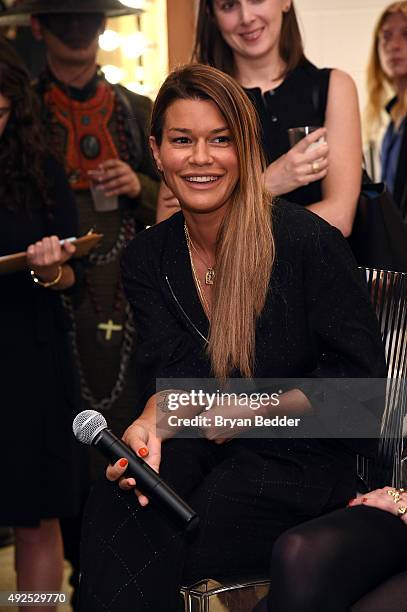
(156,153)
(287,6)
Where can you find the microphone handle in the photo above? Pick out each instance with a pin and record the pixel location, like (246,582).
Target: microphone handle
(147,479)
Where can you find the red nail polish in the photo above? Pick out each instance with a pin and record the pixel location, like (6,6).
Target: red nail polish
(123,463)
(350,502)
(143,451)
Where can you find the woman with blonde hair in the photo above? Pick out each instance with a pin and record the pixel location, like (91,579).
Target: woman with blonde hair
(387,89)
(233,285)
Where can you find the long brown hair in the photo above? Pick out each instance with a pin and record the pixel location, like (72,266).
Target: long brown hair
(210,47)
(22,144)
(379,86)
(245,245)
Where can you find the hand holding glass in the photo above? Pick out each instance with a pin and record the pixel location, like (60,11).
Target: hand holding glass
(298,133)
(101,201)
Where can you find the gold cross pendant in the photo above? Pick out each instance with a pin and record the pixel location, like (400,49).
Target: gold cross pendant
(109,328)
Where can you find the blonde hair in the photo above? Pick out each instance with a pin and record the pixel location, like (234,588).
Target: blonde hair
(379,86)
(245,244)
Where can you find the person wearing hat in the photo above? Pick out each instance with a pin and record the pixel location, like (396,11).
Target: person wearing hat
(100,129)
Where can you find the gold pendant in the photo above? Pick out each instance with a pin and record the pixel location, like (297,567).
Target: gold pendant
(105,331)
(209,276)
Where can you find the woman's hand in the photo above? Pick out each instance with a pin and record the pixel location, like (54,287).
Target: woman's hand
(305,163)
(389,499)
(141,438)
(47,255)
(221,421)
(115,178)
(167,203)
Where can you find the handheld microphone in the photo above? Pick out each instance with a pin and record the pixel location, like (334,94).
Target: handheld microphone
(90,427)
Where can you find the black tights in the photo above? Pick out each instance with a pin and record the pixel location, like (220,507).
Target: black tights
(349,560)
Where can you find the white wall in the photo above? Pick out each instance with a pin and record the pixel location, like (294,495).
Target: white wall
(338,33)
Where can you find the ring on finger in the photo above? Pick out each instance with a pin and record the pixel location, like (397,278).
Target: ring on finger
(315,167)
(401,510)
(395,494)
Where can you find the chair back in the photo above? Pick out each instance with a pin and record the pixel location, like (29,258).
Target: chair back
(388,292)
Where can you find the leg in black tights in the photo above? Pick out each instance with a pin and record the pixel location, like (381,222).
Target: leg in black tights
(391,594)
(347,556)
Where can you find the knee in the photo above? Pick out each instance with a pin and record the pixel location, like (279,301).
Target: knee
(304,562)
(47,531)
(295,577)
(290,551)
(301,559)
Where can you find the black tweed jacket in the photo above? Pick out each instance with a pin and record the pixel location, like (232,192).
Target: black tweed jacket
(317,321)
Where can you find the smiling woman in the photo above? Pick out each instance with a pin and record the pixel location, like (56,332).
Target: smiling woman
(258,42)
(202,168)
(200,159)
(234,285)
(201,139)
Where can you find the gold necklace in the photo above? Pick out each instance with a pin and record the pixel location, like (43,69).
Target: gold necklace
(201,294)
(210,271)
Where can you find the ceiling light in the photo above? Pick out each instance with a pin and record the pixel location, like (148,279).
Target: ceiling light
(109,40)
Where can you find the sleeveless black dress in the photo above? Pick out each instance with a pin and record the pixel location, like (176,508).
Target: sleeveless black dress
(299,100)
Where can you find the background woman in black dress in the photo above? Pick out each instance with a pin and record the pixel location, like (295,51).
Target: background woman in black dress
(258,42)
(38,388)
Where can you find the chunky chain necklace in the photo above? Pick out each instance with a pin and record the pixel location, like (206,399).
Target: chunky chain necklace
(201,293)
(108,330)
(126,352)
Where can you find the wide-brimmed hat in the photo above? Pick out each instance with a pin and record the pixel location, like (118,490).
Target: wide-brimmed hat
(20,15)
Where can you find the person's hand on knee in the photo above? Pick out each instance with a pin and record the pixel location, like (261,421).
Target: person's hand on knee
(388,499)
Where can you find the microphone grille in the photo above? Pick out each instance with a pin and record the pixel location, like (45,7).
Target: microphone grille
(87,425)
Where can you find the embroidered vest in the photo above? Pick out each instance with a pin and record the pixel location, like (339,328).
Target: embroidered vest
(88,141)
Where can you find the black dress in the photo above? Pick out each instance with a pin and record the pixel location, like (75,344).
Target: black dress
(317,322)
(299,100)
(40,457)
